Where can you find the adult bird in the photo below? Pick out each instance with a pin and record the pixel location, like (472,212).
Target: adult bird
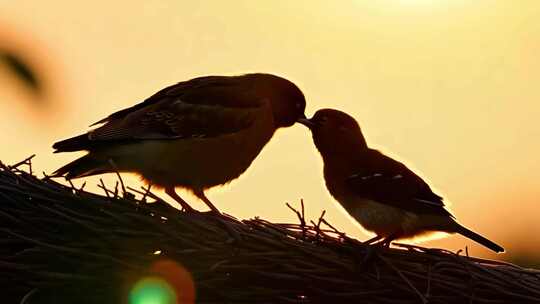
(195,134)
(382,194)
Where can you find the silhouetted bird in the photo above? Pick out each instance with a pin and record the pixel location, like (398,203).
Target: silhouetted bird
(382,194)
(195,134)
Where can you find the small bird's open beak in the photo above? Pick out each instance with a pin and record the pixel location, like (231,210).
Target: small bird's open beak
(306,122)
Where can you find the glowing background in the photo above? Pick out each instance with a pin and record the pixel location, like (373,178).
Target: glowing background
(449,87)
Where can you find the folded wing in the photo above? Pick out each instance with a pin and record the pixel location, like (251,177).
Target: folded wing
(201,107)
(390,182)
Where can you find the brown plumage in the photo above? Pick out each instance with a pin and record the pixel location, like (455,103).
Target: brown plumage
(196,134)
(382,194)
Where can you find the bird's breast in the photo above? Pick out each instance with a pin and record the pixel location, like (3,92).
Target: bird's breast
(379,218)
(200,163)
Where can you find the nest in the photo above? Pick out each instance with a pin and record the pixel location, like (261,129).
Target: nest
(60,244)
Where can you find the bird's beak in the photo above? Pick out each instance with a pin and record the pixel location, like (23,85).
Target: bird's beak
(306,122)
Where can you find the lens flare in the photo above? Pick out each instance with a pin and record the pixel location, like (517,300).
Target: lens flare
(152,290)
(166,282)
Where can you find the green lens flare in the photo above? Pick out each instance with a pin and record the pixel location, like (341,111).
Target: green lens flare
(152,290)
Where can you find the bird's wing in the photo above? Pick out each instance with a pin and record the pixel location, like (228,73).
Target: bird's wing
(201,107)
(207,90)
(390,182)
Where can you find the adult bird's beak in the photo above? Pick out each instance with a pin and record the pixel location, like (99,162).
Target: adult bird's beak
(306,122)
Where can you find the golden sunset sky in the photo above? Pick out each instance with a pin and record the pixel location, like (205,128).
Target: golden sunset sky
(450,87)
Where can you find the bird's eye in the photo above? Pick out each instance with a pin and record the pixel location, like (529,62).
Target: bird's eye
(298,105)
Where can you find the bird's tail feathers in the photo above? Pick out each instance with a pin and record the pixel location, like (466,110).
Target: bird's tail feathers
(84,166)
(477,238)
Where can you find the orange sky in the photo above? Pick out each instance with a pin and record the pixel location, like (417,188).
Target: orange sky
(448,86)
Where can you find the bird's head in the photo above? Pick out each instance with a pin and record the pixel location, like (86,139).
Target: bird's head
(334,132)
(287,100)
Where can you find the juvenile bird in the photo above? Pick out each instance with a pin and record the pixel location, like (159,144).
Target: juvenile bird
(196,134)
(382,194)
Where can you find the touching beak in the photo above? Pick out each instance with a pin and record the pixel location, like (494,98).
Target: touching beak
(306,122)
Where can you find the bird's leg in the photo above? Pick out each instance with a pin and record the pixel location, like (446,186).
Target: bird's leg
(373,247)
(200,194)
(172,193)
(388,240)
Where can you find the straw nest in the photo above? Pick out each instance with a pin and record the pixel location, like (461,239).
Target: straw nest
(60,244)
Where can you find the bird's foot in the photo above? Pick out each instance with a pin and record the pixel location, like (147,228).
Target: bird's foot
(386,242)
(372,249)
